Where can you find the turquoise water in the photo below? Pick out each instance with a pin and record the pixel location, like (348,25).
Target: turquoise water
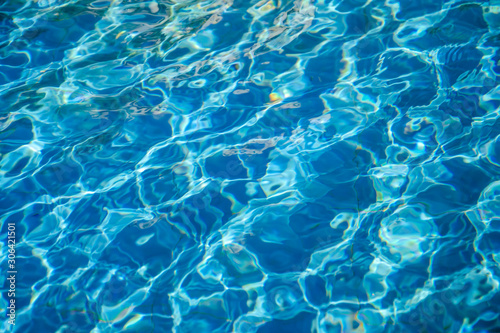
(251,166)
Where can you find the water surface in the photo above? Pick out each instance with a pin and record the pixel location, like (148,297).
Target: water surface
(251,166)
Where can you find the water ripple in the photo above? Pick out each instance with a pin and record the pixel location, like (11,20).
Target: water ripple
(251,166)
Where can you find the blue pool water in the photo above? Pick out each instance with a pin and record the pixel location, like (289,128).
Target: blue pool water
(251,166)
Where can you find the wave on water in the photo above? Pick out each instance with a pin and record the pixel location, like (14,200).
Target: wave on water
(251,166)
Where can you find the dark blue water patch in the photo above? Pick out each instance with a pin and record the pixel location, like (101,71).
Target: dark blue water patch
(228,30)
(158,254)
(126,195)
(206,316)
(57,177)
(368,47)
(278,120)
(452,257)
(273,62)
(365,192)
(345,286)
(495,59)
(15,59)
(17,169)
(87,212)
(65,260)
(157,302)
(188,255)
(305,42)
(203,213)
(484,326)
(84,18)
(415,96)
(98,171)
(409,9)
(7,202)
(223,119)
(288,257)
(463,105)
(342,163)
(58,35)
(315,290)
(439,199)
(9,74)
(24,189)
(38,57)
(468,180)
(6,27)
(477,311)
(398,63)
(50,78)
(160,185)
(256,164)
(30,218)
(161,323)
(29,279)
(415,276)
(457,145)
(302,323)
(82,315)
(366,66)
(492,41)
(196,287)
(461,25)
(42,325)
(428,316)
(488,241)
(327,65)
(457,61)
(301,112)
(113,254)
(312,224)
(347,195)
(456,225)
(346,6)
(359,22)
(374,139)
(486,133)
(389,298)
(20,132)
(169,235)
(21,95)
(235,302)
(226,167)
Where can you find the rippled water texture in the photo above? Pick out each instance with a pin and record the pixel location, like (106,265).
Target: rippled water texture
(251,166)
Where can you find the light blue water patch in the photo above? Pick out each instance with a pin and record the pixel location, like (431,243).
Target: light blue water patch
(250,166)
